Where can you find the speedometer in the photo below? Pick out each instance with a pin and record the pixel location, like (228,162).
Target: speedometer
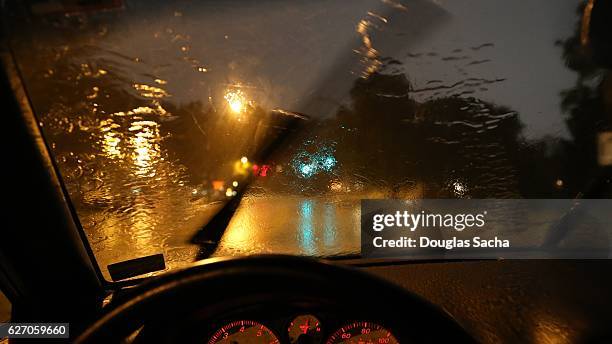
(243,331)
(362,332)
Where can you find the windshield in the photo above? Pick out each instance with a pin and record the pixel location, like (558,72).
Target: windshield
(160,113)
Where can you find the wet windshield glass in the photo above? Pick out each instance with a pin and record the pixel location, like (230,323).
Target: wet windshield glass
(157,112)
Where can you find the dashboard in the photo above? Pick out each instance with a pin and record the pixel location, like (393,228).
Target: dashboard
(272,299)
(496,301)
(302,329)
(274,324)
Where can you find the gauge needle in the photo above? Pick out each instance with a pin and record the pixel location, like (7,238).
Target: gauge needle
(304,327)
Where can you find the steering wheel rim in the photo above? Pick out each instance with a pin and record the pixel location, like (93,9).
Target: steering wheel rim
(215,282)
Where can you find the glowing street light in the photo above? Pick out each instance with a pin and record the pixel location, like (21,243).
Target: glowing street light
(237,101)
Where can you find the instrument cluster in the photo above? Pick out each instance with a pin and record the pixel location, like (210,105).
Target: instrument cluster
(302,329)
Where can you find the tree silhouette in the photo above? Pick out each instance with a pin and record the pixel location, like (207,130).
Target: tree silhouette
(446,147)
(588,103)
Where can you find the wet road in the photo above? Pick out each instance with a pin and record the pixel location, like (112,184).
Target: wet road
(155,114)
(268,225)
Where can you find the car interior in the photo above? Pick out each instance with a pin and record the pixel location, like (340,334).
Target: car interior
(193,171)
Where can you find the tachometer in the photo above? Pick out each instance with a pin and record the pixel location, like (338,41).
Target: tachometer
(362,332)
(243,331)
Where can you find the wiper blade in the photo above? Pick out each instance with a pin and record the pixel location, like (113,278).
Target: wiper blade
(210,234)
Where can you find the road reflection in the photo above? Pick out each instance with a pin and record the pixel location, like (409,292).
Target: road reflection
(293,225)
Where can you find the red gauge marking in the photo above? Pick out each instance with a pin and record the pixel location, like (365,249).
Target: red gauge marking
(362,333)
(243,331)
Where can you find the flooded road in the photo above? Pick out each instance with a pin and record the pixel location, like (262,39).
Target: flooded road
(157,113)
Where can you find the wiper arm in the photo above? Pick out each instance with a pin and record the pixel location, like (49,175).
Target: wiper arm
(210,234)
(597,187)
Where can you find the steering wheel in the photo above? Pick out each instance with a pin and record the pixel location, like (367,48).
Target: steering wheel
(225,285)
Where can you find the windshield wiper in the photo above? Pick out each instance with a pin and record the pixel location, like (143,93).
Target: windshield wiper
(210,234)
(422,17)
